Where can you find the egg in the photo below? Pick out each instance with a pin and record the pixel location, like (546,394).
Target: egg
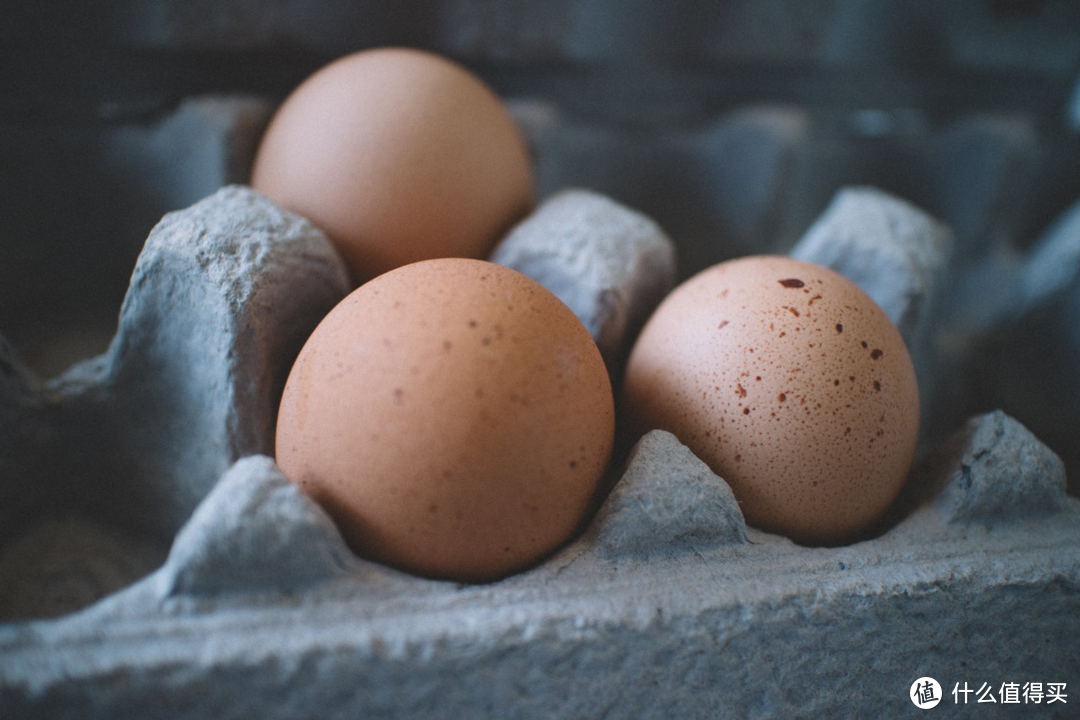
(398,155)
(452,416)
(791,384)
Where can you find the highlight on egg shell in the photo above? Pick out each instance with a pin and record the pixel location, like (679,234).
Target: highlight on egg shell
(453,417)
(398,155)
(791,384)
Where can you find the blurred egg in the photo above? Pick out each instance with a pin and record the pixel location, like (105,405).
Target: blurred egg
(791,384)
(453,416)
(398,155)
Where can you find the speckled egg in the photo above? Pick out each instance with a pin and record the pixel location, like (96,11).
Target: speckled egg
(791,384)
(453,416)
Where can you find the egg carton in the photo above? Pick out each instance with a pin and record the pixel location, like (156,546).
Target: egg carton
(747,180)
(189,578)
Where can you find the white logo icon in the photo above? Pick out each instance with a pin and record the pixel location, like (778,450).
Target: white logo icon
(925,693)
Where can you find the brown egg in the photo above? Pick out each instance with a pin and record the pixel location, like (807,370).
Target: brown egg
(453,416)
(791,384)
(398,155)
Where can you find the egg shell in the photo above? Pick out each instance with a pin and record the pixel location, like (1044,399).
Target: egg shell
(453,416)
(398,155)
(791,384)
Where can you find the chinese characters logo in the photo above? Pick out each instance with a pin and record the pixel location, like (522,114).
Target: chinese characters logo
(925,693)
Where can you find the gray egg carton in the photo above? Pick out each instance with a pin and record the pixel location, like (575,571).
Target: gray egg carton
(194,580)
